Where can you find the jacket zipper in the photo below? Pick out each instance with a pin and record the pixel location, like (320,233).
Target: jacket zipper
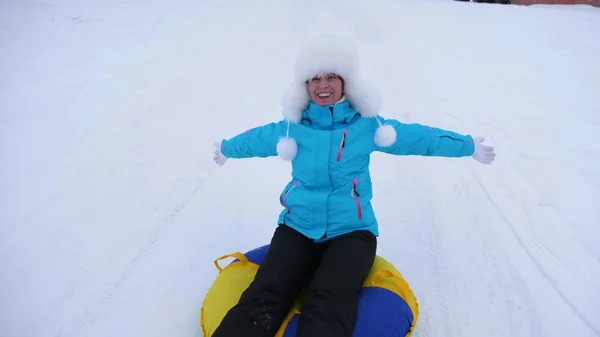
(354,194)
(342,144)
(286,196)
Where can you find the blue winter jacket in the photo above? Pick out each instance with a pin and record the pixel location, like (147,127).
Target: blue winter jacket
(330,191)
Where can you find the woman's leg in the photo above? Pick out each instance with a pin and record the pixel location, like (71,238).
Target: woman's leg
(285,271)
(331,304)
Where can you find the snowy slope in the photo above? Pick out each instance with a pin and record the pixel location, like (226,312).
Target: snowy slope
(111,209)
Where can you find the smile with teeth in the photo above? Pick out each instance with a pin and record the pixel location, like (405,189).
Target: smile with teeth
(324,94)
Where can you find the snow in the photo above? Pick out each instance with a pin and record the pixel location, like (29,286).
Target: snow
(112,210)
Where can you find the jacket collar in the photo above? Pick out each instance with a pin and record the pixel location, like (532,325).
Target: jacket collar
(329,117)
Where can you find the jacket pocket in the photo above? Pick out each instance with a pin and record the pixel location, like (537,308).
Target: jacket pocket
(284,197)
(354,194)
(342,145)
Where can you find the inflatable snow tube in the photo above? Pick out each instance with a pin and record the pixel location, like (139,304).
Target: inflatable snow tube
(387,305)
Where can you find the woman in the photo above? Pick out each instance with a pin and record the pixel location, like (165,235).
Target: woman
(326,239)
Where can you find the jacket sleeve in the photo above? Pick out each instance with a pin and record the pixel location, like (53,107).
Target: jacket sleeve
(423,140)
(260,141)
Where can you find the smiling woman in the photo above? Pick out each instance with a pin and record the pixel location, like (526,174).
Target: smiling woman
(326,89)
(326,239)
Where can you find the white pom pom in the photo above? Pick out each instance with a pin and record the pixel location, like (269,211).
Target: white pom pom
(385,136)
(287,148)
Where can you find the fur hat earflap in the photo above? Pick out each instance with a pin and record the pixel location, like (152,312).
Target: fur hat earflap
(295,100)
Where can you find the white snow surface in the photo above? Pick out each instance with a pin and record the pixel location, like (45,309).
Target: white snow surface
(112,210)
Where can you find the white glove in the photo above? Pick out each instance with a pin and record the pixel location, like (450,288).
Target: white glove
(219,158)
(483,153)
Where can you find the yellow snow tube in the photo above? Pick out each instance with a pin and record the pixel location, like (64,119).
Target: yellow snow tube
(387,305)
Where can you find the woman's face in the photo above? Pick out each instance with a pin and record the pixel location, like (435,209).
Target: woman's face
(325,89)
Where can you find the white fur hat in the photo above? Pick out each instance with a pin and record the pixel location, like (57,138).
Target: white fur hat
(330,54)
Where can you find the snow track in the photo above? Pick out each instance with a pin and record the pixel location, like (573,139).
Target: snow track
(457,254)
(111,210)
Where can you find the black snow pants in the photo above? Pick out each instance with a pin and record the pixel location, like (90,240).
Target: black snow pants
(331,272)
